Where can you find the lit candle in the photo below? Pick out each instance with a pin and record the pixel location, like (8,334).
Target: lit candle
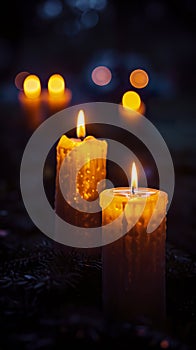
(81,168)
(30,101)
(57,96)
(134,264)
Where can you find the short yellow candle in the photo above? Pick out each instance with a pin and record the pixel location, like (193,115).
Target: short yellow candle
(134,265)
(80,182)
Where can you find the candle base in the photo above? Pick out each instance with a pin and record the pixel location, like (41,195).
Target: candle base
(134,283)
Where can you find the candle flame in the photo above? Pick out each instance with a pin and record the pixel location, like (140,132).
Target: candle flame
(131,100)
(81,130)
(134,178)
(56,85)
(32,86)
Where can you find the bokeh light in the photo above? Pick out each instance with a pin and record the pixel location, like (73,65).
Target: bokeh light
(84,5)
(101,75)
(19,79)
(56,85)
(89,19)
(50,9)
(164,344)
(131,100)
(72,27)
(98,4)
(139,78)
(81,5)
(32,86)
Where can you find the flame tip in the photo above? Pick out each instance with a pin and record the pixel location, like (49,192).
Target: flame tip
(81,131)
(134,177)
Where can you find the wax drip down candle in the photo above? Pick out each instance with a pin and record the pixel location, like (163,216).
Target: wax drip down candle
(134,265)
(80,181)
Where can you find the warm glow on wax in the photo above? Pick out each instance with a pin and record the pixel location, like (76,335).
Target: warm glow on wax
(32,86)
(134,178)
(81,130)
(56,85)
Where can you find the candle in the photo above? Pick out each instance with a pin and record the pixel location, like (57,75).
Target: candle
(30,101)
(80,169)
(58,96)
(134,264)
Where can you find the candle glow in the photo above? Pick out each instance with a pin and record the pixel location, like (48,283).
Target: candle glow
(56,85)
(32,86)
(131,100)
(81,130)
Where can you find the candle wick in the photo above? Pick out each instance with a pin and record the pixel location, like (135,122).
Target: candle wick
(133,190)
(82,138)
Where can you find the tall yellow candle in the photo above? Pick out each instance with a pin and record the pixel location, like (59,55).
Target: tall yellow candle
(80,182)
(134,264)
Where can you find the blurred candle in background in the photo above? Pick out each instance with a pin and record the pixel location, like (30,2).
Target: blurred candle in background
(30,101)
(131,100)
(57,96)
(32,86)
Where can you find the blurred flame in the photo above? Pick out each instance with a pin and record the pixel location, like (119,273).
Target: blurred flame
(56,85)
(134,178)
(81,130)
(32,86)
(132,100)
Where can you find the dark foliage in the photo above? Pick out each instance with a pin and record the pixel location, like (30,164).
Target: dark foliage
(50,299)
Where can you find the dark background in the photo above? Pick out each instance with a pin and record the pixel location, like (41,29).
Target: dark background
(71,38)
